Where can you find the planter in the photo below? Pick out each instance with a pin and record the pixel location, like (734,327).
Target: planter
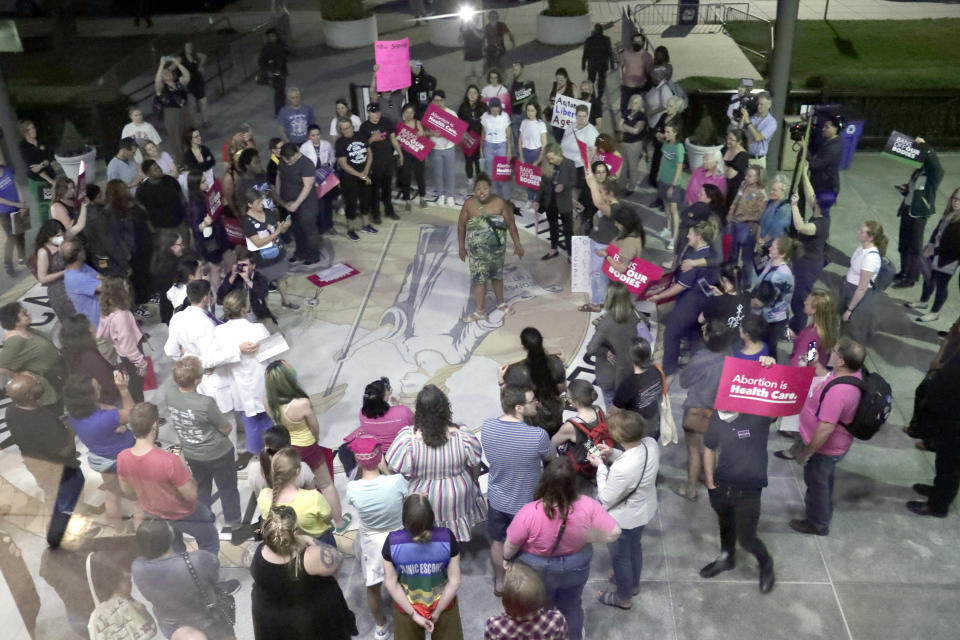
(71,165)
(563,30)
(695,153)
(350,34)
(445,32)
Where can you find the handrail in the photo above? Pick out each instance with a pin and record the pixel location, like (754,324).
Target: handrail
(666,13)
(747,17)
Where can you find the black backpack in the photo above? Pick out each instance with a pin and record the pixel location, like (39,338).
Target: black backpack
(884,277)
(876,401)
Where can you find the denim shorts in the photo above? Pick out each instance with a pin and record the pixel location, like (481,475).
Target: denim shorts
(497,523)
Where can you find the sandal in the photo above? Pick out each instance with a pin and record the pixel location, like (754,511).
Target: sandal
(504,307)
(784,454)
(613,580)
(610,599)
(683,492)
(590,308)
(476,316)
(347,519)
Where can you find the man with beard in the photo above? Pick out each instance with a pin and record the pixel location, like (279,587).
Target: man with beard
(353,166)
(482,230)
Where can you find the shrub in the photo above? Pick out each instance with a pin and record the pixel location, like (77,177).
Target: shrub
(339,10)
(71,142)
(566,8)
(706,133)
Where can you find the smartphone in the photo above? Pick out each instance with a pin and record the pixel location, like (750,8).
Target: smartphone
(812,351)
(592,448)
(704,287)
(746,82)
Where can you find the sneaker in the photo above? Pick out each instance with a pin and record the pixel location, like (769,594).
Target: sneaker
(423,203)
(229,587)
(142,312)
(670,247)
(928,317)
(352,235)
(665,234)
(369,229)
(272,287)
(450,202)
(394,216)
(381,633)
(294,259)
(916,305)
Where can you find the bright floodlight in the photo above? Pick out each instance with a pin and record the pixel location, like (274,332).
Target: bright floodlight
(466,12)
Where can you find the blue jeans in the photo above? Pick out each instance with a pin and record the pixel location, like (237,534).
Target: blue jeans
(68,493)
(598,279)
(198,524)
(563,580)
(223,471)
(818,474)
(626,555)
(515,120)
(742,249)
(442,161)
(490,150)
(254,426)
(681,323)
(530,157)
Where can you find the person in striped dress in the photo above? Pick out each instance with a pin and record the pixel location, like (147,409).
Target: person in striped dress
(440,459)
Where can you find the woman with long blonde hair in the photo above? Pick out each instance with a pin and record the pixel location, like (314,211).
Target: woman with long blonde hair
(312,509)
(295,594)
(858,296)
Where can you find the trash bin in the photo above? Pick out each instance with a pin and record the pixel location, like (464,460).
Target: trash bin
(850,137)
(687,12)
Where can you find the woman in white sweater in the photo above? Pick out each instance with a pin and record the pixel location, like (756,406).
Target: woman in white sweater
(626,487)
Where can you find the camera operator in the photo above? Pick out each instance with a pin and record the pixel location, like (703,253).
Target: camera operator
(738,100)
(825,164)
(758,129)
(919,200)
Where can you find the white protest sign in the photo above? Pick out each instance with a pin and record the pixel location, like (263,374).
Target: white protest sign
(580,264)
(565,111)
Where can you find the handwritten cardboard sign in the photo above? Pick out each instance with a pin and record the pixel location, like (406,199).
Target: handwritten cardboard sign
(470,143)
(417,146)
(638,276)
(904,148)
(747,386)
(502,169)
(528,175)
(393,56)
(448,126)
(613,161)
(565,111)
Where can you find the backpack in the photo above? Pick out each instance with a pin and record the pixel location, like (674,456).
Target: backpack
(118,618)
(876,401)
(680,92)
(599,434)
(885,274)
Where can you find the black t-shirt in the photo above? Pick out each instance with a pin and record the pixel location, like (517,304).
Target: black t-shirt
(36,154)
(742,447)
(596,109)
(732,309)
(825,166)
(472,44)
(815,246)
(521,94)
(354,149)
(633,120)
(253,227)
(641,392)
(382,149)
(163,201)
(291,182)
(739,163)
(41,434)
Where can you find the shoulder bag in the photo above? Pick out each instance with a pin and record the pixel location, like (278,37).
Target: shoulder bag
(668,426)
(646,453)
(118,618)
(223,611)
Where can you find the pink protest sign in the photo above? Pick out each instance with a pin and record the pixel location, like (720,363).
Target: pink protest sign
(638,275)
(448,126)
(528,175)
(749,387)
(584,152)
(393,57)
(417,146)
(613,161)
(470,143)
(215,200)
(502,169)
(504,100)
(326,180)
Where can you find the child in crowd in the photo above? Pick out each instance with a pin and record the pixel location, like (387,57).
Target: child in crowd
(379,501)
(524,613)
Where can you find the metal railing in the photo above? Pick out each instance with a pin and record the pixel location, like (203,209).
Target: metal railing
(666,13)
(735,14)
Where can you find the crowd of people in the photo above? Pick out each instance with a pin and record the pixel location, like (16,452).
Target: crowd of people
(563,471)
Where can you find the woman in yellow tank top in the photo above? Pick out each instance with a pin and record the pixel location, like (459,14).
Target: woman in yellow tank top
(289,406)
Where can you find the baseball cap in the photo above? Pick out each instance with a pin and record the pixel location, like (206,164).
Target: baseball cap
(495,102)
(373,106)
(367,452)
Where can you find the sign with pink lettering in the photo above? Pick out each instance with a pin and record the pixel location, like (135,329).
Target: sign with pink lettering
(215,200)
(527,175)
(470,143)
(747,386)
(613,161)
(502,169)
(448,126)
(417,146)
(393,58)
(504,100)
(638,276)
(326,180)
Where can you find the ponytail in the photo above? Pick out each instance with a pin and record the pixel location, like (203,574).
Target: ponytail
(880,240)
(537,364)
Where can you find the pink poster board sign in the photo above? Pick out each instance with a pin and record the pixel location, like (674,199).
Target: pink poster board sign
(638,276)
(215,200)
(417,146)
(527,175)
(502,169)
(749,387)
(393,56)
(448,126)
(613,161)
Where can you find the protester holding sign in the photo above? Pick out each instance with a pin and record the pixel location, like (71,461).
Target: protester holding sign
(919,203)
(579,143)
(604,196)
(470,111)
(412,167)
(555,198)
(497,141)
(442,156)
(774,290)
(630,242)
(209,236)
(532,141)
(495,89)
(561,87)
(523,92)
(320,152)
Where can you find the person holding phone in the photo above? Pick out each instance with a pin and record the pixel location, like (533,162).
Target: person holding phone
(263,230)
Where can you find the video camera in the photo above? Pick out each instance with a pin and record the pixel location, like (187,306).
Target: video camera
(749,102)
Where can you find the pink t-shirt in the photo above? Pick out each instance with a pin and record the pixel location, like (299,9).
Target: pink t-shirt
(155,477)
(385,428)
(802,343)
(700,178)
(535,533)
(839,406)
